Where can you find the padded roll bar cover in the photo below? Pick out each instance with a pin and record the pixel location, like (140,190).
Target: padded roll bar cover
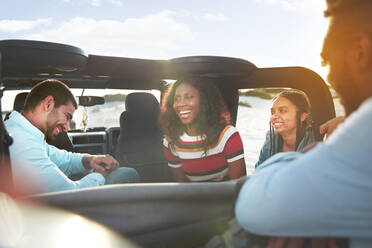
(140,208)
(22,57)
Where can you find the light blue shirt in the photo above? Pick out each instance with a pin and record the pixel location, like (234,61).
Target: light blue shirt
(326,192)
(33,159)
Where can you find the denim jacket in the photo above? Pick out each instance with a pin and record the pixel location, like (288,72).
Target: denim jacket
(265,152)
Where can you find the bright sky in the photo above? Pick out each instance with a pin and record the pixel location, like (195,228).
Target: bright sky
(268,33)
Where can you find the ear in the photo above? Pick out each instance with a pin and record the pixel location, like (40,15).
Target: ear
(48,103)
(303,117)
(361,53)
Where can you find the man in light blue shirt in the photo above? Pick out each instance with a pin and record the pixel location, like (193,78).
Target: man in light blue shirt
(48,109)
(326,192)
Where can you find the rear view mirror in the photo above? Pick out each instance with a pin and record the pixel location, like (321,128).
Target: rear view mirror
(88,101)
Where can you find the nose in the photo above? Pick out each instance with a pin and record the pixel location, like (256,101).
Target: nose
(273,117)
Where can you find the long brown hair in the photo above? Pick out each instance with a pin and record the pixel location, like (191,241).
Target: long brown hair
(212,117)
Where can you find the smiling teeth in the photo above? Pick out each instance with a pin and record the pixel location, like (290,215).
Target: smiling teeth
(185,112)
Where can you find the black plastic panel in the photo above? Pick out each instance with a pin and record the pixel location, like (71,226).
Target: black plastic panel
(146,212)
(20,57)
(89,142)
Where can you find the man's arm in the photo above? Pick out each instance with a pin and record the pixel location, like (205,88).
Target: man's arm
(45,172)
(101,163)
(324,193)
(55,180)
(69,163)
(72,163)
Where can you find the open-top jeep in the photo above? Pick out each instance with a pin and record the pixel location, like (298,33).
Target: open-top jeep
(159,213)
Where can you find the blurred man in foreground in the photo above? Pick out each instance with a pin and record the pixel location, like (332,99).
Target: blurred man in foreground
(327,191)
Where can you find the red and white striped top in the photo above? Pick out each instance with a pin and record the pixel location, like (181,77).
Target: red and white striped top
(199,166)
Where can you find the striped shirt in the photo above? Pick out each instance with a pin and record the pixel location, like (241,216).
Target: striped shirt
(199,166)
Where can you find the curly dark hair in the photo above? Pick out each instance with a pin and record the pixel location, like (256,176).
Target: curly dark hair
(212,118)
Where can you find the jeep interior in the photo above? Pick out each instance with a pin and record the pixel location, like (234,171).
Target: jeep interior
(159,213)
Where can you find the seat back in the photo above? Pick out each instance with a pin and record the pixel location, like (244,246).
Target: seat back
(19,103)
(139,144)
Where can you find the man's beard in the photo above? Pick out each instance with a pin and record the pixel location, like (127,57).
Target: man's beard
(49,136)
(349,99)
(347,91)
(51,126)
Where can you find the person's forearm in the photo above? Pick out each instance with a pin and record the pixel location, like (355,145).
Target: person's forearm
(179,175)
(237,169)
(267,202)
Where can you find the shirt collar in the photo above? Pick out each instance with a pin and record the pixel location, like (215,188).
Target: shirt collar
(188,138)
(26,124)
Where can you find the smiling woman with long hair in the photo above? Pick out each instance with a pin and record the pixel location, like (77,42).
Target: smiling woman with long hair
(290,124)
(200,144)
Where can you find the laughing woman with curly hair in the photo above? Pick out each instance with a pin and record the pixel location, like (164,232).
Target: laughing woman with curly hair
(200,144)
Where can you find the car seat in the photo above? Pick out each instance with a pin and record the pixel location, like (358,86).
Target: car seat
(19,103)
(139,144)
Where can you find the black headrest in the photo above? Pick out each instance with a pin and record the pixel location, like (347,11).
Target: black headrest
(140,119)
(19,101)
(141,102)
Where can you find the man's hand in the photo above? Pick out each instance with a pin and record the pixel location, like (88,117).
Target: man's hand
(100,163)
(328,127)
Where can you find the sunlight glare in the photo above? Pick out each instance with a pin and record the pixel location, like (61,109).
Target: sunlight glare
(81,233)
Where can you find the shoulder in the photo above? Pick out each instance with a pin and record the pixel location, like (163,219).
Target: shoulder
(268,134)
(351,142)
(168,140)
(10,123)
(362,117)
(18,131)
(364,112)
(309,135)
(308,139)
(228,131)
(229,135)
(17,123)
(268,137)
(25,137)
(356,127)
